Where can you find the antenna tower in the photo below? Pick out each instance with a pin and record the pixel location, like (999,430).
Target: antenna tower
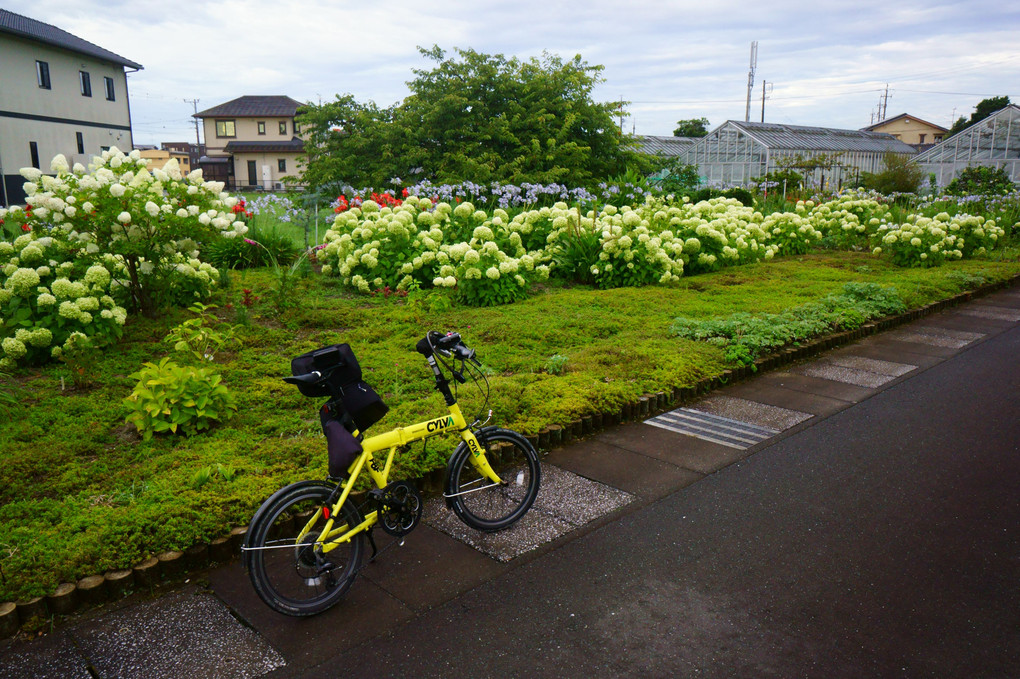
(750,79)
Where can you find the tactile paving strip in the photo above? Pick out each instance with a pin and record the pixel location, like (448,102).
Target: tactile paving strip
(708,427)
(859,371)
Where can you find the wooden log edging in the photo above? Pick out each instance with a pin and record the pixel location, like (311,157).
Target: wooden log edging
(95,590)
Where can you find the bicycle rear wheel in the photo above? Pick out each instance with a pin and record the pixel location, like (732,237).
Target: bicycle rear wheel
(479,502)
(288,569)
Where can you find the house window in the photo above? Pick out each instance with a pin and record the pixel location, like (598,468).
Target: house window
(225,128)
(938,138)
(33,148)
(110,95)
(921,140)
(262,127)
(283,127)
(86,83)
(81,142)
(281,164)
(42,74)
(296,130)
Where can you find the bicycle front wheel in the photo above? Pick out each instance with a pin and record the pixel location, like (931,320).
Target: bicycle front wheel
(485,505)
(288,567)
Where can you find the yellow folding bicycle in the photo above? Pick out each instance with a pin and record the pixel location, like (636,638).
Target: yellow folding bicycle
(306,543)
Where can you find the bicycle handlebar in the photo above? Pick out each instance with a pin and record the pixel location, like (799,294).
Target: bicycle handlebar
(448,344)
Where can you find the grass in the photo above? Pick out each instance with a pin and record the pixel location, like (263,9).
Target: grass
(80,493)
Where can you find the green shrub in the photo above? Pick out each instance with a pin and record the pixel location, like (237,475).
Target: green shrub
(174,398)
(241,253)
(980,180)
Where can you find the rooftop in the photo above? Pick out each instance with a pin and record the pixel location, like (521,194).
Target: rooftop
(801,137)
(24,27)
(252,106)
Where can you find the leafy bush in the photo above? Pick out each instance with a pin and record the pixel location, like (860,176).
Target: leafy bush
(901,175)
(174,398)
(981,180)
(239,253)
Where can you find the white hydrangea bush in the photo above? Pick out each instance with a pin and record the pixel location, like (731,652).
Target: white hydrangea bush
(47,300)
(928,241)
(372,247)
(148,220)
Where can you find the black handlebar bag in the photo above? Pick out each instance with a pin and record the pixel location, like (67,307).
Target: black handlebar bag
(338,358)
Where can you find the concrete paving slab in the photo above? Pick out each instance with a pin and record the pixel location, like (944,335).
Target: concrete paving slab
(533,530)
(993,312)
(956,320)
(899,344)
(894,352)
(53,657)
(752,412)
(635,473)
(683,451)
(429,569)
(881,367)
(565,501)
(766,389)
(850,393)
(185,634)
(364,613)
(935,336)
(836,373)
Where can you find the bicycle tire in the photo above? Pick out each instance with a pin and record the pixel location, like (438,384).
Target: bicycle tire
(299,581)
(476,500)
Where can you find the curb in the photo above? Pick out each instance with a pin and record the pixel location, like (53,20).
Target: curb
(96,590)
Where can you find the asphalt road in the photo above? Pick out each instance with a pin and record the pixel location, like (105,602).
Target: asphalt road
(880,542)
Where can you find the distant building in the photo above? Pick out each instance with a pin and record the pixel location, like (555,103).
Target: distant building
(58,94)
(252,142)
(159,157)
(911,130)
(737,152)
(194,151)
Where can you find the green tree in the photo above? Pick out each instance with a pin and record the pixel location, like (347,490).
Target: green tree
(985,108)
(346,143)
(695,127)
(488,118)
(988,181)
(901,175)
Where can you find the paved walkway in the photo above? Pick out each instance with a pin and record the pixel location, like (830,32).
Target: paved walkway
(214,626)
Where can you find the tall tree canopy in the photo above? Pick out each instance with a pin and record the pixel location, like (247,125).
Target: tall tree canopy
(694,127)
(985,108)
(474,117)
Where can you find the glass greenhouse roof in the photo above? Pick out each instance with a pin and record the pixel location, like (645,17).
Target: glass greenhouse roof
(803,138)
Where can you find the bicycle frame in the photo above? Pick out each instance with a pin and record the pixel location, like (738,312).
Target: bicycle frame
(392,440)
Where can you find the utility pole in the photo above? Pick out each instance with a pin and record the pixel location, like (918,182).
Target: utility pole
(750,79)
(763,101)
(621,114)
(882,108)
(194,104)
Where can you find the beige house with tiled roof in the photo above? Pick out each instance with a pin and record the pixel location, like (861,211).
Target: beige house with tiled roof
(910,130)
(252,142)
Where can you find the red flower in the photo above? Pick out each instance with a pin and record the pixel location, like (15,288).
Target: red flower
(26,227)
(404,192)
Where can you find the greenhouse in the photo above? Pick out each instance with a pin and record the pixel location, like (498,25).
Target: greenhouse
(993,142)
(737,152)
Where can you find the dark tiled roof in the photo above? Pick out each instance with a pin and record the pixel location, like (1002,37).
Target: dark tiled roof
(295,145)
(253,106)
(22,26)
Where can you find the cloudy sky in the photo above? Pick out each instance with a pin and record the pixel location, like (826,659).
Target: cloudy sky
(825,63)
